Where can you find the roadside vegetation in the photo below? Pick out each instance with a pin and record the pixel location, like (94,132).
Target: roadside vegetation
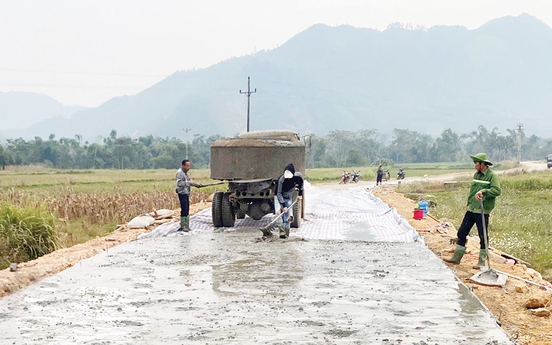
(26,233)
(43,209)
(520,224)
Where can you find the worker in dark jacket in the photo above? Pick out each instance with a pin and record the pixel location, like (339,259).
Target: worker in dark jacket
(379,175)
(283,194)
(484,188)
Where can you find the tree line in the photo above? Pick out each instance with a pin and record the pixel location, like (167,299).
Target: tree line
(336,149)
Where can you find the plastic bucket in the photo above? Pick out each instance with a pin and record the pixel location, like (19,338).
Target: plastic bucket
(418,214)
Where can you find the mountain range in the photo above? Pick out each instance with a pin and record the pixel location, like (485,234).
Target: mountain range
(338,78)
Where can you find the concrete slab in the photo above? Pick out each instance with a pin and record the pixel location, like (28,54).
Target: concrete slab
(229,288)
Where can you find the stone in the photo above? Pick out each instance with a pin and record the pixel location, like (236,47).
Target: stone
(541,312)
(534,273)
(521,288)
(535,302)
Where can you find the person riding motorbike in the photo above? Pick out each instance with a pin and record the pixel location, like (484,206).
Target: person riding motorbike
(345,177)
(401,174)
(356,176)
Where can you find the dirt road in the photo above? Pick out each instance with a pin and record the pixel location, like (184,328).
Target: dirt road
(220,287)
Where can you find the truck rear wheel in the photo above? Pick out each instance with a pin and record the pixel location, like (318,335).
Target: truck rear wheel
(297,212)
(228,217)
(216,210)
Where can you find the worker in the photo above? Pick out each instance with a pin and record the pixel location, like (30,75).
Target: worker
(283,193)
(183,183)
(379,175)
(485,186)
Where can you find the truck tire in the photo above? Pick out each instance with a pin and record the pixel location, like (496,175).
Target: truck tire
(303,207)
(216,210)
(297,214)
(228,217)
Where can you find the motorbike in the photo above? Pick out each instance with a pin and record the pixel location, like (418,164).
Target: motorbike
(345,178)
(401,174)
(386,175)
(356,176)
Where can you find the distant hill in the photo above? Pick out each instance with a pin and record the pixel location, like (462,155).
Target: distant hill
(345,78)
(20,110)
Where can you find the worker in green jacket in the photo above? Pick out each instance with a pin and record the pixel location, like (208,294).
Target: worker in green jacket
(484,186)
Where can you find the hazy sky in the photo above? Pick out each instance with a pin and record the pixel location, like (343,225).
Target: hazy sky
(86,52)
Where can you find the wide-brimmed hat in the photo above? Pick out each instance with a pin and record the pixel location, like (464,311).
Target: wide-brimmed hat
(481,157)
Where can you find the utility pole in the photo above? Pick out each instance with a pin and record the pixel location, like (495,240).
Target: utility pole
(520,131)
(187,130)
(248,93)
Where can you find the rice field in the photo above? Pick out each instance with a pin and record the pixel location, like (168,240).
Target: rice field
(90,203)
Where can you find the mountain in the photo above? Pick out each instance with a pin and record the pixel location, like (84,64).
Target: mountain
(19,110)
(345,78)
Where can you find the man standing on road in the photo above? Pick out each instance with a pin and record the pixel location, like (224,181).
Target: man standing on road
(285,186)
(484,186)
(183,183)
(379,175)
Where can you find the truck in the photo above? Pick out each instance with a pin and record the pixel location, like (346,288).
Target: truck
(251,164)
(549,161)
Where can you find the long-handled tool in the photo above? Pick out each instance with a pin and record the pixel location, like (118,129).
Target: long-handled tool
(489,276)
(266,230)
(211,184)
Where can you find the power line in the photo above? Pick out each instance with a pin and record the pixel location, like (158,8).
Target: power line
(88,73)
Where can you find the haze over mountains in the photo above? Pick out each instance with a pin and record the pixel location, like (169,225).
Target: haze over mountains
(340,78)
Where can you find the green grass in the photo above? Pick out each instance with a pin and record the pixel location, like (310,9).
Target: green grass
(520,224)
(96,180)
(369,173)
(26,233)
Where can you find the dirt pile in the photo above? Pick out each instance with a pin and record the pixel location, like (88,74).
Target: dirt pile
(510,304)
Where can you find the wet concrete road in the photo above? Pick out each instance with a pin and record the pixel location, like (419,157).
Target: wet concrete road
(228,288)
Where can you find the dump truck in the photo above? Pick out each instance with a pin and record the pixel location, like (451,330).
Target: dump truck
(251,165)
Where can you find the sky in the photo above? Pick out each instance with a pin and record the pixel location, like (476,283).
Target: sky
(83,53)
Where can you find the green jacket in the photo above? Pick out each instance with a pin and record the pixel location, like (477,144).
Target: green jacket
(489,184)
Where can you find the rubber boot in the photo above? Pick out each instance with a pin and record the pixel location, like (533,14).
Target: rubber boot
(282,230)
(459,252)
(184,224)
(482,258)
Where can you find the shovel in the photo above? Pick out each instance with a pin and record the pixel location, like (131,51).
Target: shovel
(266,230)
(488,276)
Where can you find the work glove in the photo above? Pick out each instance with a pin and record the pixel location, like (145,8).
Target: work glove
(283,209)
